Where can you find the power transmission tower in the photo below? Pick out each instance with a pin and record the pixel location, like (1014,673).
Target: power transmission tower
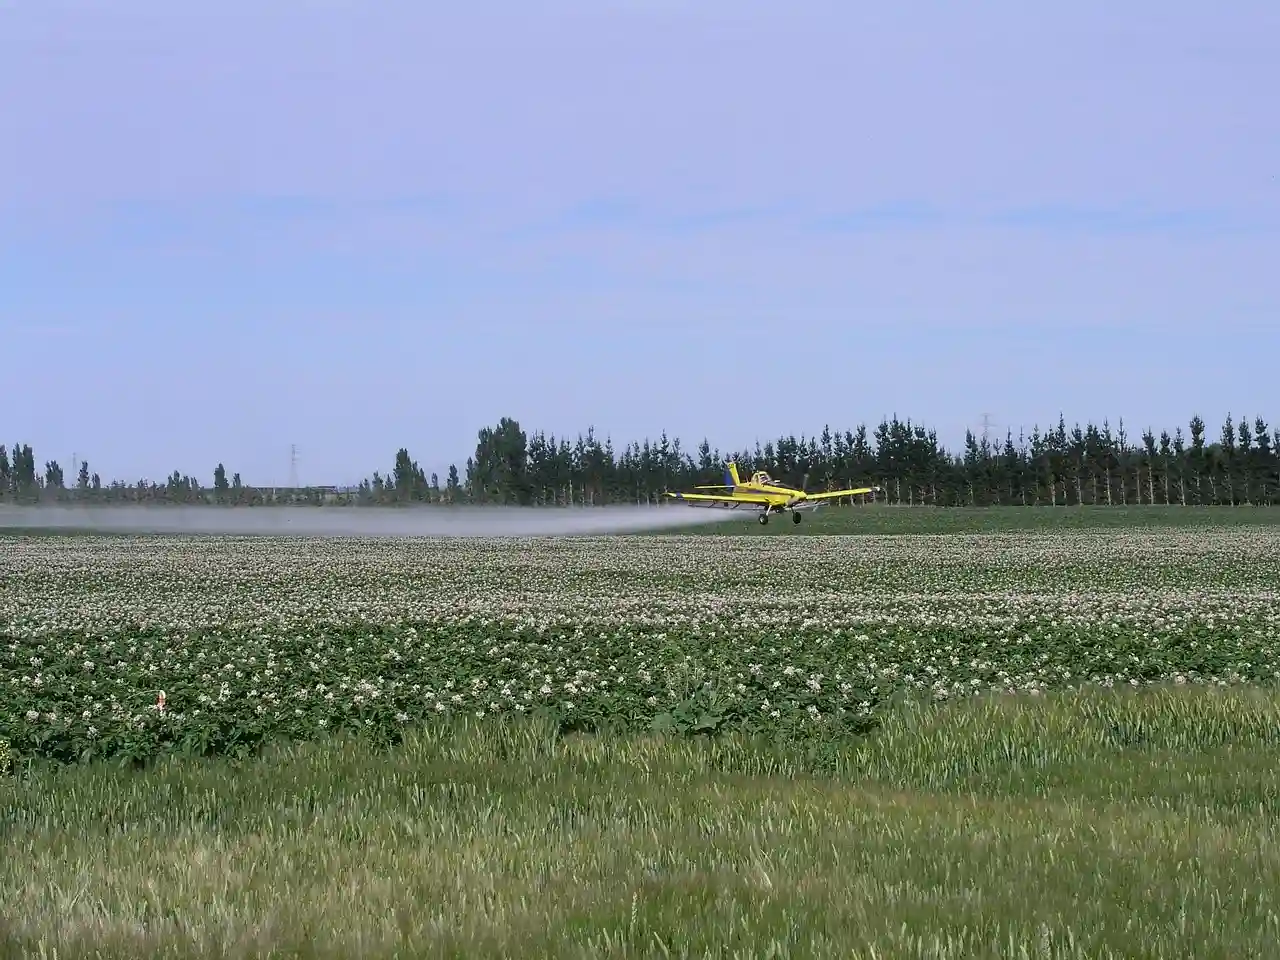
(986,427)
(293,465)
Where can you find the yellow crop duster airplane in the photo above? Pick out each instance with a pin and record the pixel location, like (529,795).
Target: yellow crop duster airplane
(765,493)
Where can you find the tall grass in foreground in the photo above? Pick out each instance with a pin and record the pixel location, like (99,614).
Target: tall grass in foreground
(1094,824)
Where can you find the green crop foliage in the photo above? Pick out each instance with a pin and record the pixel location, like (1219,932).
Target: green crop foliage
(1053,743)
(255,639)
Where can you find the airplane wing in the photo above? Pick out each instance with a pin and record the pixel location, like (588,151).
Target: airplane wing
(830,495)
(723,498)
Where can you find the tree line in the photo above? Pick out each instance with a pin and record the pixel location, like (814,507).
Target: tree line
(1059,466)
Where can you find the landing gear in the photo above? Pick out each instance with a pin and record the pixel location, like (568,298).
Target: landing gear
(764,518)
(795,516)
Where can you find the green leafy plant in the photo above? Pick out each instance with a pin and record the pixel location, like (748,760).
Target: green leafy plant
(808,639)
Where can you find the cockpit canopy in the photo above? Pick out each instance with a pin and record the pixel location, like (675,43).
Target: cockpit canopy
(762,478)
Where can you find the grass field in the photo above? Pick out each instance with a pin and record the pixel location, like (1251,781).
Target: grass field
(1026,742)
(881,520)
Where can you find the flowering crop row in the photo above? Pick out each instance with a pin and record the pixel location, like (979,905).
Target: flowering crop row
(127,646)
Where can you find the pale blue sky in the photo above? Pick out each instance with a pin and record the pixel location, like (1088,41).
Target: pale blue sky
(353,226)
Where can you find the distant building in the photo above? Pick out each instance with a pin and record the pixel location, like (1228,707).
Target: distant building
(327,493)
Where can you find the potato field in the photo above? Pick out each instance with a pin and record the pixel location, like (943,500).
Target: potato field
(1053,743)
(126,647)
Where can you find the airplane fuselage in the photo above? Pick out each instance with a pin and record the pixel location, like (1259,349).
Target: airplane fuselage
(780,498)
(764,494)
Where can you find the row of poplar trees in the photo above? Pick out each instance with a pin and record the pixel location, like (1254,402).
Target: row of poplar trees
(1060,467)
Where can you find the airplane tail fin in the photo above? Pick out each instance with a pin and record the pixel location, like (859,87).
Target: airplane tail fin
(731,475)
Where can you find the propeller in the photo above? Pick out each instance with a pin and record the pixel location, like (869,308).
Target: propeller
(804,489)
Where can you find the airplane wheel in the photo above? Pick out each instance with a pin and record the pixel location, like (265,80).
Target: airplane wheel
(764,518)
(795,518)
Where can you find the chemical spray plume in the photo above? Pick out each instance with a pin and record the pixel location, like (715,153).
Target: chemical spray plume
(433,521)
